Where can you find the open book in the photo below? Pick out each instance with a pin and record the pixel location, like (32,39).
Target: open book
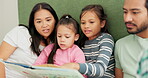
(42,72)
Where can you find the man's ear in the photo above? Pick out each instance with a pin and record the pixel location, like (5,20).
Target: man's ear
(103,23)
(77,37)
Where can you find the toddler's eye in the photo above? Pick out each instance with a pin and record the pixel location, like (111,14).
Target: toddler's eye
(59,36)
(67,37)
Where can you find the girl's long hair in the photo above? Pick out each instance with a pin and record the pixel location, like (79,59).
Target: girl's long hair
(98,10)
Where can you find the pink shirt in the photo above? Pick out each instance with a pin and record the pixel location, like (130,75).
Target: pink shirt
(70,55)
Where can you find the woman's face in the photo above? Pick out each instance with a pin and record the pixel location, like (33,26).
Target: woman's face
(44,22)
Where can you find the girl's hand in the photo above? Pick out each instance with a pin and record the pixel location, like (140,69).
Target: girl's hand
(48,65)
(75,66)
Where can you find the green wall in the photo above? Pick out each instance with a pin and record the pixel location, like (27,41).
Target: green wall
(113,9)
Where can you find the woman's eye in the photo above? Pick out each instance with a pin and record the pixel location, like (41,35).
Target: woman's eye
(48,19)
(38,21)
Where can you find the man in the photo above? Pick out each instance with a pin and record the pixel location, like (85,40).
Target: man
(143,65)
(128,49)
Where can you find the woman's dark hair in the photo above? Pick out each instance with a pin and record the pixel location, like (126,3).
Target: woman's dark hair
(36,38)
(68,21)
(98,10)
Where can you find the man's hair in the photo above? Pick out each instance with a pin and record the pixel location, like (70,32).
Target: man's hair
(146,4)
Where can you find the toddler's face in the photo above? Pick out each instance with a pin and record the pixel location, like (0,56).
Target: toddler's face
(65,37)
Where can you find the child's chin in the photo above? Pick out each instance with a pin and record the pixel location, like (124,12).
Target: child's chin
(63,48)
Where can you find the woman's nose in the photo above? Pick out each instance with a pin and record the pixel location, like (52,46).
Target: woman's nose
(44,24)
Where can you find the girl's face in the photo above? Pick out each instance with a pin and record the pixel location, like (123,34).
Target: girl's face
(66,37)
(91,25)
(44,22)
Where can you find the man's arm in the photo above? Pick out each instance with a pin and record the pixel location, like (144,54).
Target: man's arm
(118,73)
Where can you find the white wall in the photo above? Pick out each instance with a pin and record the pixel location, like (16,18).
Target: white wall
(8,16)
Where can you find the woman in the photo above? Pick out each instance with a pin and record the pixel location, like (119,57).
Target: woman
(23,44)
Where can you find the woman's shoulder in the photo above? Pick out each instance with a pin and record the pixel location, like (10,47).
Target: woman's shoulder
(19,29)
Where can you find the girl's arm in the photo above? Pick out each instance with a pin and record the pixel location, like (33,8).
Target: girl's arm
(43,57)
(99,67)
(78,55)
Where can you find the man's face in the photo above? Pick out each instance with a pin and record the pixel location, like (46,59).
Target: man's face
(135,16)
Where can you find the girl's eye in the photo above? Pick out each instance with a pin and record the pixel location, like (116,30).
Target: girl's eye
(67,36)
(59,36)
(82,22)
(91,22)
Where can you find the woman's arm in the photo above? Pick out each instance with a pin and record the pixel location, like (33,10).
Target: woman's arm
(2,70)
(5,51)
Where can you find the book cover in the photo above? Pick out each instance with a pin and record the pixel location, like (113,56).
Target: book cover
(42,72)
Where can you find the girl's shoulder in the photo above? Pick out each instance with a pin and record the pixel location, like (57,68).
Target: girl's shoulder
(105,35)
(50,46)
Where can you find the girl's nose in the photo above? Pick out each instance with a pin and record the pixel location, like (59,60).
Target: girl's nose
(62,39)
(86,25)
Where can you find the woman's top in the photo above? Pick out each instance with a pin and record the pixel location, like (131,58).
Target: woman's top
(20,38)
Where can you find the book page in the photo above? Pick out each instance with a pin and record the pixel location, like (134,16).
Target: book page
(43,72)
